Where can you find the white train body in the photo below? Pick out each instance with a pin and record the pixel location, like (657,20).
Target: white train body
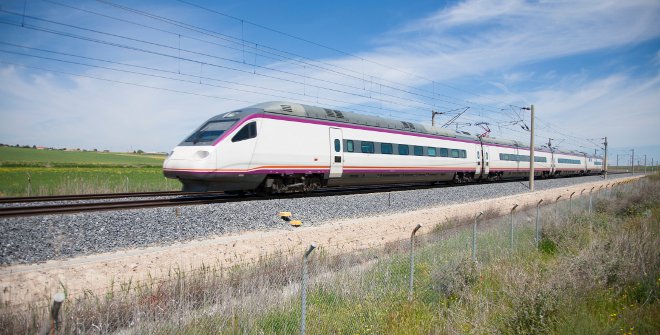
(284,147)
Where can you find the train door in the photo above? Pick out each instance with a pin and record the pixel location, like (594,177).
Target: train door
(486,162)
(483,161)
(336,153)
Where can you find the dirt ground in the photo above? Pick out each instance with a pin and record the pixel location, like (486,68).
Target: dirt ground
(22,284)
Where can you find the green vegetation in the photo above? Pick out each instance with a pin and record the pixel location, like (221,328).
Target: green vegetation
(21,157)
(25,171)
(590,274)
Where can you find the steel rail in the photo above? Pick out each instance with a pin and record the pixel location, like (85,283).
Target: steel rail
(112,205)
(6,200)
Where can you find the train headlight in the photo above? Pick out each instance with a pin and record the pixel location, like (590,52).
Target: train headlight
(202,154)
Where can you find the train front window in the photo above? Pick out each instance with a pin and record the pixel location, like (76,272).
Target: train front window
(209,132)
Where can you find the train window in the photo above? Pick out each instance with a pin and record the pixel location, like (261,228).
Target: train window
(454,153)
(430,152)
(350,146)
(444,152)
(337,145)
(540,159)
(403,149)
(210,131)
(418,151)
(386,148)
(247,132)
(462,154)
(367,147)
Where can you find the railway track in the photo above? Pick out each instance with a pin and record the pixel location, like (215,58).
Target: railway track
(181,199)
(113,205)
(174,199)
(7,200)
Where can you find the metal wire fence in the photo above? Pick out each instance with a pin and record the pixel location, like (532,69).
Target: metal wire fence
(374,290)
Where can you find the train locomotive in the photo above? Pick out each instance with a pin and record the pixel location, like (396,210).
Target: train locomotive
(283,147)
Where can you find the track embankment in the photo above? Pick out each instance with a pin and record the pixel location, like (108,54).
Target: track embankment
(22,284)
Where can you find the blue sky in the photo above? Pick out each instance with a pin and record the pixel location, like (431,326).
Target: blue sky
(127,75)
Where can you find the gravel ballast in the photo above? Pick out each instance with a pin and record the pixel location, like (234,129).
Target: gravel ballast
(26,240)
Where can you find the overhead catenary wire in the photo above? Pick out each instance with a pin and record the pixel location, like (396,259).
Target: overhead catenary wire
(371,96)
(381,98)
(213,33)
(175,56)
(176,79)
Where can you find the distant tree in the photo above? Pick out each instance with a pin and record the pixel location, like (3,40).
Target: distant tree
(34,146)
(95,150)
(140,152)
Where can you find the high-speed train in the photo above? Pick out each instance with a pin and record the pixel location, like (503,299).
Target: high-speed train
(281,147)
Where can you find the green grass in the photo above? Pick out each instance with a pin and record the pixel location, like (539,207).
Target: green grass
(12,156)
(33,172)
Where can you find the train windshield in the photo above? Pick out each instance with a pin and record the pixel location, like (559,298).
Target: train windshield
(209,132)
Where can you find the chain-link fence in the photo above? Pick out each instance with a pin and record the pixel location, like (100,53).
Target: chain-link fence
(480,274)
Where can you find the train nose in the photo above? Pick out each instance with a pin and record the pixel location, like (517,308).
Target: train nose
(189,159)
(194,154)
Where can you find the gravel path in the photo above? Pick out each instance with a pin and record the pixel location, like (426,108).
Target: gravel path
(41,238)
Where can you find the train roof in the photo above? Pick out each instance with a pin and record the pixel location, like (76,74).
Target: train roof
(314,112)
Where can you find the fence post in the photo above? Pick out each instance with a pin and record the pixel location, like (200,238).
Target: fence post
(126,184)
(303,288)
(474,237)
(511,228)
(557,208)
(536,236)
(584,189)
(591,196)
(570,204)
(58,298)
(29,188)
(412,261)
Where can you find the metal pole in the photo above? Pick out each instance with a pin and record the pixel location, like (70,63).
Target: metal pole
(304,288)
(570,204)
(590,198)
(412,261)
(632,161)
(474,237)
(584,189)
(58,298)
(531,153)
(644,163)
(536,238)
(605,160)
(511,230)
(556,207)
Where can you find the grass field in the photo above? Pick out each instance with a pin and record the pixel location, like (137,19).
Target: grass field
(33,172)
(12,156)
